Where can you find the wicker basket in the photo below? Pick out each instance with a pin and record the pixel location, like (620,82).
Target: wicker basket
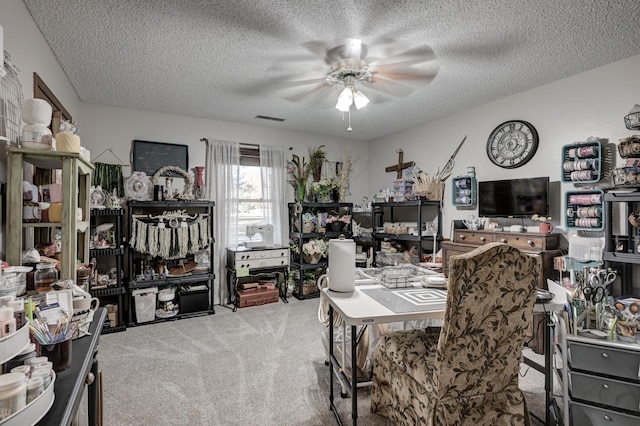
(430,191)
(313,259)
(632,120)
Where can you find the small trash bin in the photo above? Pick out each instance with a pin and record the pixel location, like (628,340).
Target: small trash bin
(145,303)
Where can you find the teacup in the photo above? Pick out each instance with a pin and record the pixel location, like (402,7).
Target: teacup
(85,303)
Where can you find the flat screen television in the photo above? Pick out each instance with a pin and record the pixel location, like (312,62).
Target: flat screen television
(514,197)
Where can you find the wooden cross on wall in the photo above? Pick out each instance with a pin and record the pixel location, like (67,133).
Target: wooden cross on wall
(400,166)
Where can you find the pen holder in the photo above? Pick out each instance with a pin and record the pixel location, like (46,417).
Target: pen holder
(58,353)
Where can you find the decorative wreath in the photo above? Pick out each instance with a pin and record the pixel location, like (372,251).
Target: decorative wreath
(187,191)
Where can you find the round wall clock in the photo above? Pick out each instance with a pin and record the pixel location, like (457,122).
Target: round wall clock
(512,144)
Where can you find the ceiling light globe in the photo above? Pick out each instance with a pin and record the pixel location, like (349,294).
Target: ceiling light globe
(360,99)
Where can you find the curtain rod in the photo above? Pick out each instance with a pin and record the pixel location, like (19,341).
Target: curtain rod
(242,144)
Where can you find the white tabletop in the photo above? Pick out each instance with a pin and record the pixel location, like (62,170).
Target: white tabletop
(358,308)
(559,301)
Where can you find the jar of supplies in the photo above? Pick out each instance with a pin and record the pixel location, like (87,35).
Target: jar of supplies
(13,393)
(46,274)
(35,386)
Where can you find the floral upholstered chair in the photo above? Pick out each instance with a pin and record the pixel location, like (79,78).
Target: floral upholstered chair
(465,373)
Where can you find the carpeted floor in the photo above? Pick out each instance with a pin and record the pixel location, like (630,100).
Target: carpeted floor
(258,366)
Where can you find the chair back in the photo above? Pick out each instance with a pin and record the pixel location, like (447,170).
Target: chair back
(491,293)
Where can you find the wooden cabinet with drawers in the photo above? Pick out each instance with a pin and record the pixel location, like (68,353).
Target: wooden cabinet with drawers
(465,240)
(604,382)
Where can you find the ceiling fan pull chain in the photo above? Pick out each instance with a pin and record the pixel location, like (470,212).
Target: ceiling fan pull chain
(349,128)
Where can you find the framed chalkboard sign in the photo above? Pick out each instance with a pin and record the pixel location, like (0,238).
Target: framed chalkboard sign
(148,157)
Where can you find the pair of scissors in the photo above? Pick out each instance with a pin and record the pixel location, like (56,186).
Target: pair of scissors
(601,277)
(595,294)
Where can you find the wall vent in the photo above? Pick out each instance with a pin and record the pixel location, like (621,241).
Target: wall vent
(265,117)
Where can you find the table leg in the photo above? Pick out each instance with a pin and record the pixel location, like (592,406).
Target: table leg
(552,412)
(354,376)
(548,360)
(331,406)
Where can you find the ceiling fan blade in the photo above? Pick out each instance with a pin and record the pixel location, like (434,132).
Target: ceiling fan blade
(388,86)
(320,95)
(297,83)
(407,75)
(416,55)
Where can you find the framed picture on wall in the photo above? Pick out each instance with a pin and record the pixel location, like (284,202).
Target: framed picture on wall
(150,156)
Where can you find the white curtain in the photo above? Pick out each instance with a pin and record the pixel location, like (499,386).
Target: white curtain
(273,164)
(223,159)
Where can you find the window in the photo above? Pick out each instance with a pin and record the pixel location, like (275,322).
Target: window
(254,199)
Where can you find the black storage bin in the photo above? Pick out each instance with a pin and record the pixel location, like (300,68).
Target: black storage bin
(194,301)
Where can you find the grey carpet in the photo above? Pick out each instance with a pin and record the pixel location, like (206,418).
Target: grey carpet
(258,366)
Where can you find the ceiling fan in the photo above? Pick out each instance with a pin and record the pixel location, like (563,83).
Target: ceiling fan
(354,66)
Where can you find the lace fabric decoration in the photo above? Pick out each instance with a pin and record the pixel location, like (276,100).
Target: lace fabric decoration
(169,242)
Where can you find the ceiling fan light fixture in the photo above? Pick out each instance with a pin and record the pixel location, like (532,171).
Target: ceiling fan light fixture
(345,99)
(359,99)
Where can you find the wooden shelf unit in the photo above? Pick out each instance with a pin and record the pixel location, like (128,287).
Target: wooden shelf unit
(76,182)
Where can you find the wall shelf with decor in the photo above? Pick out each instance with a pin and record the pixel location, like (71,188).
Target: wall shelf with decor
(464,191)
(309,224)
(582,162)
(585,210)
(174,280)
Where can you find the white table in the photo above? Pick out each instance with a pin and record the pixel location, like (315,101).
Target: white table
(357,309)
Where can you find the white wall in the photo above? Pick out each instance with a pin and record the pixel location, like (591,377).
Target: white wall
(104,127)
(592,103)
(31,53)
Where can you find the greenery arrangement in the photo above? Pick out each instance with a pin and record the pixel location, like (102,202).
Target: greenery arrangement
(298,171)
(317,156)
(343,176)
(323,189)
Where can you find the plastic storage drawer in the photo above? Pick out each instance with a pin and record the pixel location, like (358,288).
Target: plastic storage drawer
(585,415)
(601,390)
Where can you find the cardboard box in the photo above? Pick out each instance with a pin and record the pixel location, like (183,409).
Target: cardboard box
(112,314)
(113,318)
(256,297)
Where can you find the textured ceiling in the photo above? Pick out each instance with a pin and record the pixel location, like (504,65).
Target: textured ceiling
(233,60)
